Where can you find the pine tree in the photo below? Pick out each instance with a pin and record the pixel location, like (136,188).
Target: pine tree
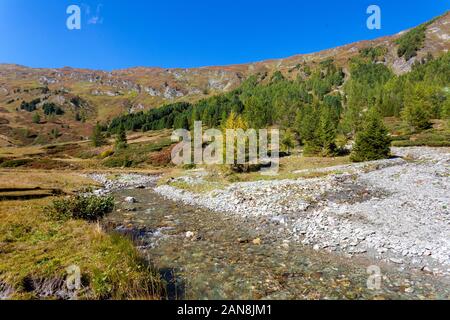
(97,136)
(121,138)
(373,142)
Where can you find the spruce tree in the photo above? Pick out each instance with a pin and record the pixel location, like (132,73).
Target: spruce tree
(308,122)
(373,142)
(97,136)
(288,142)
(327,131)
(121,138)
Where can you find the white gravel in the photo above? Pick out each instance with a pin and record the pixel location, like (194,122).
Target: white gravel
(123,181)
(394,209)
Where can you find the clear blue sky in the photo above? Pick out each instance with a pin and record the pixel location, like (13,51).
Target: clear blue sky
(191,33)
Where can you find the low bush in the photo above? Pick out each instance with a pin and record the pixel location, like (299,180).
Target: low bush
(106,154)
(89,208)
(118,162)
(87,154)
(14,163)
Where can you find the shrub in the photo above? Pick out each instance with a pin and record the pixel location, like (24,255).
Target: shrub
(89,208)
(118,162)
(36,118)
(51,108)
(15,163)
(106,154)
(30,106)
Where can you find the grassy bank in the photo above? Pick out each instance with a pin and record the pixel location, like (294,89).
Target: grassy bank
(437,136)
(35,251)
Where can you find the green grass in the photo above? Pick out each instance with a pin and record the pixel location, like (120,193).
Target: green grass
(136,154)
(438,136)
(430,138)
(15,163)
(35,247)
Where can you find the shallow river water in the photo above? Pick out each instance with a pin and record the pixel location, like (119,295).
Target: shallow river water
(208,255)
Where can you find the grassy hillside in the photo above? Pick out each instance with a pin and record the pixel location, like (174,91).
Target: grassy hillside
(88,96)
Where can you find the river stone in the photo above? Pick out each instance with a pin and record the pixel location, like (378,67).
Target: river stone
(130,200)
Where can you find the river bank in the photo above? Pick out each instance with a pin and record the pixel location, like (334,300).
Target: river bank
(293,239)
(39,255)
(395,210)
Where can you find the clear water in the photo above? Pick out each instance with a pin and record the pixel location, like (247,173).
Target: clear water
(222,261)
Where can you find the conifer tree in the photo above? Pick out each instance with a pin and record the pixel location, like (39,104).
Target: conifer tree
(373,142)
(121,138)
(234,122)
(327,131)
(97,136)
(288,141)
(308,122)
(418,106)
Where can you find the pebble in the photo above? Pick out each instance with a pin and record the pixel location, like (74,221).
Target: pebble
(257,242)
(190,234)
(395,260)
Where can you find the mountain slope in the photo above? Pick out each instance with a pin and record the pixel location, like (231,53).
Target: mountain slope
(87,96)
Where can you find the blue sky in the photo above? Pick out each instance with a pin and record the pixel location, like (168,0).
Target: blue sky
(182,33)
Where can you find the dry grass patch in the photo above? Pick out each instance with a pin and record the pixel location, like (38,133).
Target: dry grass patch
(68,182)
(21,152)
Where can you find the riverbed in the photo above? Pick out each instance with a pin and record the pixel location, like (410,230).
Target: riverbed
(208,255)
